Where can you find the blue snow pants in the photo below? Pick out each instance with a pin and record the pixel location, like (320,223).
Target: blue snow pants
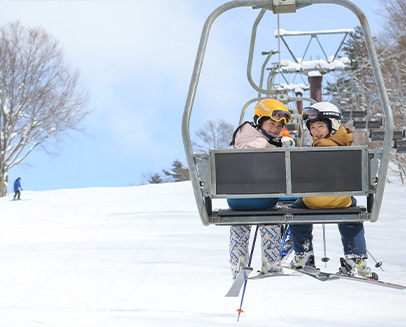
(352,235)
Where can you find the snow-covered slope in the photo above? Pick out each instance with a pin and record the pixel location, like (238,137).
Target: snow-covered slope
(139,256)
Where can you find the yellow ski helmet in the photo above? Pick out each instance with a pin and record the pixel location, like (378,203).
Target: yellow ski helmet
(273,109)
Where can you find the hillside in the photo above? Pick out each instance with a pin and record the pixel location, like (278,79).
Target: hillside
(139,256)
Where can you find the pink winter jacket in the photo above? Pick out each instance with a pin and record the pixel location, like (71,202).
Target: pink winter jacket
(249,138)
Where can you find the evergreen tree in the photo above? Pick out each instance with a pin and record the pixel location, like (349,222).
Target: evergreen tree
(155,179)
(350,89)
(178,173)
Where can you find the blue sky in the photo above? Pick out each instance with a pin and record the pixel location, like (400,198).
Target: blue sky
(136,58)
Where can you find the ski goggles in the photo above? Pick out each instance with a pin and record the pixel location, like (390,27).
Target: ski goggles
(281,114)
(310,113)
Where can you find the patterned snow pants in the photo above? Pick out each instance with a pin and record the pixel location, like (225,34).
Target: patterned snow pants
(270,243)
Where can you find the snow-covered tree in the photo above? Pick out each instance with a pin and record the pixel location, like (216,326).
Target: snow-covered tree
(40,96)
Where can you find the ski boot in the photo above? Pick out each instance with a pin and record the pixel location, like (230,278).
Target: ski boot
(303,259)
(356,266)
(271,268)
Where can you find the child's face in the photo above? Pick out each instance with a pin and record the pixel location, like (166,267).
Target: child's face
(272,127)
(319,130)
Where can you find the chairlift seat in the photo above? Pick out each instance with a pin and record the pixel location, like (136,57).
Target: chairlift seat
(400,145)
(376,136)
(398,134)
(350,114)
(379,135)
(286,172)
(370,124)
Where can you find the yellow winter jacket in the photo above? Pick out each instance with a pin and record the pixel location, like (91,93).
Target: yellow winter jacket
(343,137)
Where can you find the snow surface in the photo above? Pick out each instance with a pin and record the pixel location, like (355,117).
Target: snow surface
(139,256)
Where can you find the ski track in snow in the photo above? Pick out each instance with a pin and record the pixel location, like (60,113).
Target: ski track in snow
(139,256)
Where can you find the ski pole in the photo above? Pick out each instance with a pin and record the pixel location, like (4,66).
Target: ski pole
(286,246)
(324,259)
(249,265)
(377,264)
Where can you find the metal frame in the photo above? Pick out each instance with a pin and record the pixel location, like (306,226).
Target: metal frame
(314,35)
(291,216)
(278,6)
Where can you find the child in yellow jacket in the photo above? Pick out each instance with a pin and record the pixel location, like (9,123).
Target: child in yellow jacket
(323,122)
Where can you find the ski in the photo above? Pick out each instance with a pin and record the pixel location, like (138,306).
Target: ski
(315,273)
(326,276)
(235,288)
(371,281)
(262,276)
(344,273)
(243,275)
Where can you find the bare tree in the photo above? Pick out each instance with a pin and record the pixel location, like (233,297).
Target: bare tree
(40,96)
(214,135)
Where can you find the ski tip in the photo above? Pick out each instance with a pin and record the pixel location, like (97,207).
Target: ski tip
(239,310)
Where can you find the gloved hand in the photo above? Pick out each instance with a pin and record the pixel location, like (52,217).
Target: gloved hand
(287,142)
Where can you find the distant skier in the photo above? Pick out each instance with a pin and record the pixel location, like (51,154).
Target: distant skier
(17,188)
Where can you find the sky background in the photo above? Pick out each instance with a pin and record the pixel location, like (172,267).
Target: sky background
(136,58)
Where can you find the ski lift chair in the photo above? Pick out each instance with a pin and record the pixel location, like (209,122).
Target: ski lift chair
(379,136)
(351,114)
(400,145)
(287,172)
(367,124)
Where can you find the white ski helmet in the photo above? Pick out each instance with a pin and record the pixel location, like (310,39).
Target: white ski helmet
(322,111)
